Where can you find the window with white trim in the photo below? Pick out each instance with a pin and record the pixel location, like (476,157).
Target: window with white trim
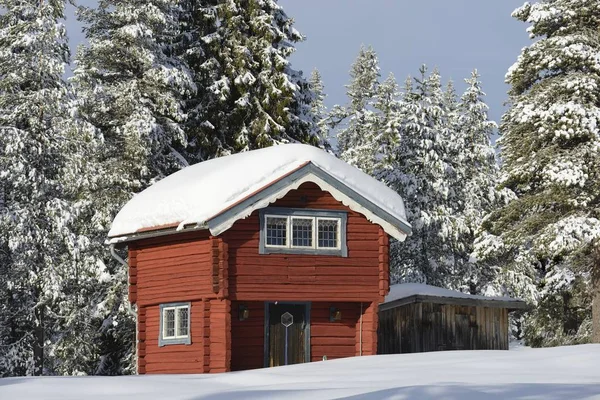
(303,231)
(174,324)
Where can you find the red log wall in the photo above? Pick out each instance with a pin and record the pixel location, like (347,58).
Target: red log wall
(289,277)
(212,272)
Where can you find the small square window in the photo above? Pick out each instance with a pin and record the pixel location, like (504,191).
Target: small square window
(276,231)
(174,324)
(302,232)
(327,233)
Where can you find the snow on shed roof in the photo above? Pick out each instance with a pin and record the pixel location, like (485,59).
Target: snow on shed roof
(214,194)
(405,293)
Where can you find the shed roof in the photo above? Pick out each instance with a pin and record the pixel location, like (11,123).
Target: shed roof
(214,194)
(406,293)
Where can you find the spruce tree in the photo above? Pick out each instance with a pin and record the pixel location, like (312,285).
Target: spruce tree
(476,177)
(40,142)
(418,170)
(255,98)
(318,109)
(357,121)
(543,241)
(131,87)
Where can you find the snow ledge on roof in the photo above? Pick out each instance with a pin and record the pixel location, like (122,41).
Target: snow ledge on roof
(405,290)
(199,194)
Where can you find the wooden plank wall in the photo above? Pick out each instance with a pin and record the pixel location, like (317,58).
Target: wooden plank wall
(170,269)
(289,277)
(171,359)
(421,327)
(334,339)
(190,267)
(248,336)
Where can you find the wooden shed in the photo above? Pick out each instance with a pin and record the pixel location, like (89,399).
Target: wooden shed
(417,318)
(269,257)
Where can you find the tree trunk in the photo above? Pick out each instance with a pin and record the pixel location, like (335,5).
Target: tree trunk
(38,344)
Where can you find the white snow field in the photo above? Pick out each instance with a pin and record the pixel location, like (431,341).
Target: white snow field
(570,372)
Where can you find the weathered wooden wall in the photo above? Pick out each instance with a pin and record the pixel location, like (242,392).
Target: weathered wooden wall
(420,327)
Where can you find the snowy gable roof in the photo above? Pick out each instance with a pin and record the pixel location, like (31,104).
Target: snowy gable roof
(216,193)
(406,293)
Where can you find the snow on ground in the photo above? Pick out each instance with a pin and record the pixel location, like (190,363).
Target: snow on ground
(571,372)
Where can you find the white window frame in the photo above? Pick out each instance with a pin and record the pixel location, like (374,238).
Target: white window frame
(338,235)
(163,339)
(287,231)
(315,216)
(291,219)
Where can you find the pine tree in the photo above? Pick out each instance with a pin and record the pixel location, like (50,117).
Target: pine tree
(476,178)
(131,87)
(38,135)
(543,240)
(255,98)
(419,172)
(357,122)
(318,109)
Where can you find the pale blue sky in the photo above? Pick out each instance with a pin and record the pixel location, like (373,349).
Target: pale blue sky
(454,35)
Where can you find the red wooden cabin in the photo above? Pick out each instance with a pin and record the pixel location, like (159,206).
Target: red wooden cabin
(265,258)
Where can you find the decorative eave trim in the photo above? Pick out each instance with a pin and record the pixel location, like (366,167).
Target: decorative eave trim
(393,226)
(307,172)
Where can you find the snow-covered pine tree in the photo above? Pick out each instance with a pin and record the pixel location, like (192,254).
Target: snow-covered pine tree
(318,109)
(543,240)
(131,86)
(476,178)
(38,137)
(198,34)
(357,121)
(419,172)
(388,108)
(255,98)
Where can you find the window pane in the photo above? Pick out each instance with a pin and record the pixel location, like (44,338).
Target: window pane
(183,321)
(302,230)
(328,233)
(276,231)
(169,322)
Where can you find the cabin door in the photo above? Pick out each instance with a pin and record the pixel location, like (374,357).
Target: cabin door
(288,336)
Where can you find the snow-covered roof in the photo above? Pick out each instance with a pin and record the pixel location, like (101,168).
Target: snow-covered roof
(216,193)
(405,293)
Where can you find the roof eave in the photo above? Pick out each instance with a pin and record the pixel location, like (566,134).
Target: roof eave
(223,221)
(511,305)
(122,240)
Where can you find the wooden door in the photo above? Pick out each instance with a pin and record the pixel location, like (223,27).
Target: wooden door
(287,334)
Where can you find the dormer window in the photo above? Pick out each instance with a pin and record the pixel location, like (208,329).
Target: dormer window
(303,231)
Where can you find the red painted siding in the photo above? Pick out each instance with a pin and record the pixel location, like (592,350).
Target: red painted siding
(247,337)
(175,358)
(335,339)
(253,276)
(215,274)
(172,268)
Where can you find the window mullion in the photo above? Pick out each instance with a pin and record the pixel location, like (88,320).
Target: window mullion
(176,322)
(289,232)
(314,232)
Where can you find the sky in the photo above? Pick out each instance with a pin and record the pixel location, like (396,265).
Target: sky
(456,36)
